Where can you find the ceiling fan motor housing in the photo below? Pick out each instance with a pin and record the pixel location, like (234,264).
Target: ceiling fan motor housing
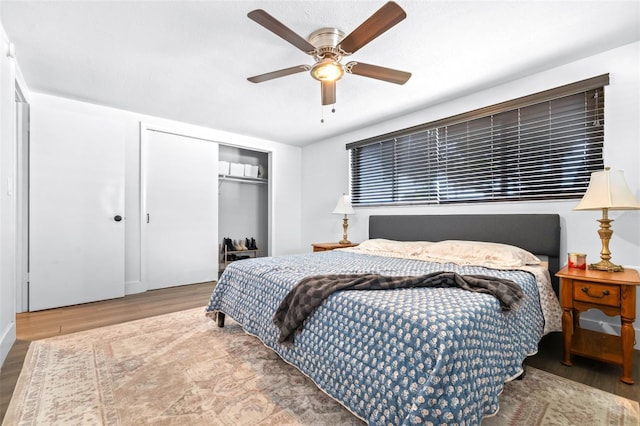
(326,37)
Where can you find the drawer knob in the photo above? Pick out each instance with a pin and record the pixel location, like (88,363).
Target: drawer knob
(604,293)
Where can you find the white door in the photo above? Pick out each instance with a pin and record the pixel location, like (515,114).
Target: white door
(77,196)
(180,209)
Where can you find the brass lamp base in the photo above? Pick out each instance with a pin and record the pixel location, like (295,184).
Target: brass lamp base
(605,233)
(605,265)
(345,225)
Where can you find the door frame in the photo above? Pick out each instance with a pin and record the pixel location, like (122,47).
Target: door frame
(22,215)
(145,128)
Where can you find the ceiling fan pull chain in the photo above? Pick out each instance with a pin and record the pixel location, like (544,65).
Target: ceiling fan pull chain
(322,114)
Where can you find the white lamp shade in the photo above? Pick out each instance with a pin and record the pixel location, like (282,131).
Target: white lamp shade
(608,190)
(344,205)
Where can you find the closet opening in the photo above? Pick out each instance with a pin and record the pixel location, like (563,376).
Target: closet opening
(243,204)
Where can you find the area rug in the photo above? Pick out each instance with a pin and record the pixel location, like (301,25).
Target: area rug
(181,369)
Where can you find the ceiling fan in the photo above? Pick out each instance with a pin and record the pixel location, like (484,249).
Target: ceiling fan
(329,45)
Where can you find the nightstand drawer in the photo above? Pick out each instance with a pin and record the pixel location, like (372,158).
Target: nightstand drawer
(601,294)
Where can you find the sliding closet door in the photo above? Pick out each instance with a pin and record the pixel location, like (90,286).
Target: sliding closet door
(76,252)
(180,209)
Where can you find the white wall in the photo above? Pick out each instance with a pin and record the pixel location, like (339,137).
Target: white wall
(8,164)
(285,185)
(325,171)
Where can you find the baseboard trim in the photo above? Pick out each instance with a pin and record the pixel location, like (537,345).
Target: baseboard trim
(133,287)
(8,339)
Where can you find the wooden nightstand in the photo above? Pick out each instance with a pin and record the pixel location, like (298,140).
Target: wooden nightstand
(330,246)
(614,293)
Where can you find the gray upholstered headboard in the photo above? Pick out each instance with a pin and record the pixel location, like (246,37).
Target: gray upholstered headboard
(537,233)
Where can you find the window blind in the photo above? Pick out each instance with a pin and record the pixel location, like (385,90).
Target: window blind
(536,151)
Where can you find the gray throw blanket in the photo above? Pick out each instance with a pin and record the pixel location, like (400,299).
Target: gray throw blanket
(309,293)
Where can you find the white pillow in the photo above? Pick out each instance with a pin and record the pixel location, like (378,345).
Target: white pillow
(392,246)
(491,255)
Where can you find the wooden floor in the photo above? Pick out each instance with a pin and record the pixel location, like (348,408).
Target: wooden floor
(42,324)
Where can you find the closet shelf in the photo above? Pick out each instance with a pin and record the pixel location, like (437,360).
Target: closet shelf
(243,179)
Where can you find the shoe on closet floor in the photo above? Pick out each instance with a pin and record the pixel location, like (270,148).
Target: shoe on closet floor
(228,244)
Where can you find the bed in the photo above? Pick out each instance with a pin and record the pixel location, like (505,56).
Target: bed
(433,355)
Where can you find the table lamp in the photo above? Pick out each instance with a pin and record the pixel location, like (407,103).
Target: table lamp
(344,207)
(607,191)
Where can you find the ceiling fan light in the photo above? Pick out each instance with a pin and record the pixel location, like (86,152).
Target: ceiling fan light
(327,70)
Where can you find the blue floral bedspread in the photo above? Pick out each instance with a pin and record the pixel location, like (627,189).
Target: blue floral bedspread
(406,356)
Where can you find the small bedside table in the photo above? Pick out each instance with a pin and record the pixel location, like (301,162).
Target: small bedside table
(330,246)
(613,293)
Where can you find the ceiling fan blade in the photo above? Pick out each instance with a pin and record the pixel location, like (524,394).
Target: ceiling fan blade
(328,92)
(281,30)
(385,18)
(377,72)
(277,74)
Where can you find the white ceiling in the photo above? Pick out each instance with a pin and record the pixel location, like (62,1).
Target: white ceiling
(189,60)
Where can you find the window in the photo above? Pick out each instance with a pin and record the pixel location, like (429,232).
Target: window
(539,147)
